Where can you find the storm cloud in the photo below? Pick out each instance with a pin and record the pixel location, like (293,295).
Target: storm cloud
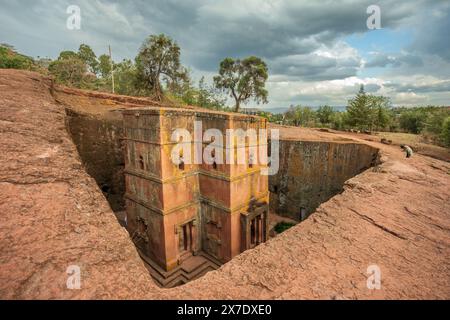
(303,42)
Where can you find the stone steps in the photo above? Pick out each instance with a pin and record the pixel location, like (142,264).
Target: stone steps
(192,268)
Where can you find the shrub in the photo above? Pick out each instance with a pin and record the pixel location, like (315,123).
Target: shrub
(283,226)
(413,120)
(69,71)
(9,59)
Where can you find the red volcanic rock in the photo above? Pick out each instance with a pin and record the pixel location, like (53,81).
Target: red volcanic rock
(52,213)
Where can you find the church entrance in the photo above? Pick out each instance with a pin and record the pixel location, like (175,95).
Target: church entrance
(254,227)
(185,244)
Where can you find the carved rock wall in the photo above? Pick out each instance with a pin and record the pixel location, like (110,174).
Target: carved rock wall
(311,172)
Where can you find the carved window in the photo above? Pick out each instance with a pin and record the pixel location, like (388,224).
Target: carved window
(181,161)
(181,165)
(141,163)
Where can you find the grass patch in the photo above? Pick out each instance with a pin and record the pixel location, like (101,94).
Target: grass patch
(419,143)
(283,226)
(402,138)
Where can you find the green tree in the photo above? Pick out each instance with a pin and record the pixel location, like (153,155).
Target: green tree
(209,97)
(367,111)
(159,60)
(291,116)
(68,55)
(267,115)
(413,120)
(325,114)
(435,119)
(125,77)
(203,96)
(307,116)
(178,87)
(104,66)
(10,59)
(276,118)
(339,120)
(382,114)
(301,116)
(69,71)
(243,79)
(88,56)
(359,110)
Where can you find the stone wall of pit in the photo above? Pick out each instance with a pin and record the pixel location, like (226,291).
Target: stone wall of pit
(99,144)
(312,172)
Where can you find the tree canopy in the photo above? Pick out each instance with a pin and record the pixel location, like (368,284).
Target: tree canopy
(70,71)
(325,114)
(87,55)
(104,65)
(157,68)
(10,59)
(367,111)
(300,116)
(159,60)
(243,79)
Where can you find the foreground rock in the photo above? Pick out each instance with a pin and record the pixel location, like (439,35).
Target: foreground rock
(53,215)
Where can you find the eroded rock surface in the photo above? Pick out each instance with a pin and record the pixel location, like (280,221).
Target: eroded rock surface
(53,215)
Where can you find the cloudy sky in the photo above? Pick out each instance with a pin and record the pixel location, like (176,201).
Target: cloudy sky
(318,52)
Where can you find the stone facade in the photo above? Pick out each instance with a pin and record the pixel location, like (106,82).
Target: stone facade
(174,211)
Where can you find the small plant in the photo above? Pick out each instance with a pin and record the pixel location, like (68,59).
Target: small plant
(283,226)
